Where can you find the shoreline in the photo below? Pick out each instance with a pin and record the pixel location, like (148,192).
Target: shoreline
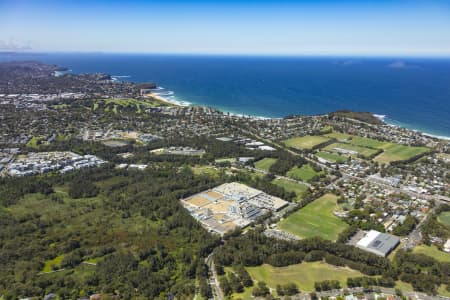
(383,118)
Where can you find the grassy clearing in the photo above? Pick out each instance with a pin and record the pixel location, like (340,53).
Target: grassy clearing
(291,186)
(34,142)
(50,264)
(342,137)
(366,152)
(305,173)
(305,142)
(206,170)
(434,252)
(395,152)
(442,290)
(224,160)
(367,142)
(115,105)
(444,218)
(265,163)
(404,286)
(304,274)
(315,219)
(331,157)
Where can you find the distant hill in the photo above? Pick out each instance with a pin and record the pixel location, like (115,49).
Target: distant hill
(366,117)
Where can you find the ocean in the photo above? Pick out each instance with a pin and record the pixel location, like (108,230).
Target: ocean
(410,92)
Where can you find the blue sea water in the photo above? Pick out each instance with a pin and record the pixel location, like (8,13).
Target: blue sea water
(414,93)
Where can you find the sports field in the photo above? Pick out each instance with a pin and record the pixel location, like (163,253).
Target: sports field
(434,252)
(444,218)
(291,186)
(339,136)
(366,152)
(305,173)
(366,142)
(304,274)
(315,219)
(331,157)
(395,152)
(305,142)
(265,163)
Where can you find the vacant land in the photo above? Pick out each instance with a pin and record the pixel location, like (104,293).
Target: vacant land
(395,152)
(265,163)
(315,219)
(291,186)
(366,152)
(444,218)
(304,274)
(305,142)
(305,173)
(331,157)
(434,252)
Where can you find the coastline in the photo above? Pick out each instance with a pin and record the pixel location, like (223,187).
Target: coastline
(168,101)
(383,118)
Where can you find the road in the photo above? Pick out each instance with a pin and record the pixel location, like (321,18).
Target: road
(213,279)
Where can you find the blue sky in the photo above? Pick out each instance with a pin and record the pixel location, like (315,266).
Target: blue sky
(400,28)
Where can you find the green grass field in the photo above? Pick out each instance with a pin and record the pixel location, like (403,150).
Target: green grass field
(305,142)
(395,152)
(224,160)
(304,274)
(291,186)
(342,137)
(444,218)
(366,142)
(115,104)
(366,152)
(315,219)
(331,157)
(305,173)
(265,163)
(434,252)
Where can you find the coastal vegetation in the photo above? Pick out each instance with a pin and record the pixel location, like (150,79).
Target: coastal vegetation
(366,117)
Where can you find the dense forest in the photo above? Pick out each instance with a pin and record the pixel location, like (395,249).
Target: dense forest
(102,230)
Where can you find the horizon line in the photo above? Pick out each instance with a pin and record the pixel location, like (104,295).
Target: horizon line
(243,54)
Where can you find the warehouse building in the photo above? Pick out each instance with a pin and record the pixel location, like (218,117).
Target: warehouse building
(378,243)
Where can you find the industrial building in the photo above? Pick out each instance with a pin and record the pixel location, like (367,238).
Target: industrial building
(378,243)
(230,205)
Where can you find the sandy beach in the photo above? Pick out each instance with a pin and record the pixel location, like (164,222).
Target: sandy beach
(165,100)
